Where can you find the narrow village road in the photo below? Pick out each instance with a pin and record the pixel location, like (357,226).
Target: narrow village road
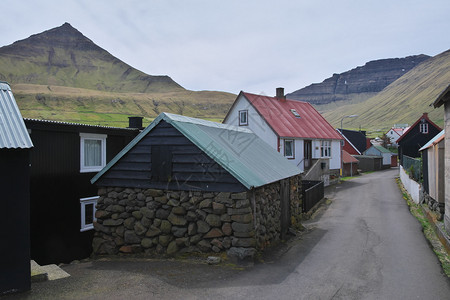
(366,245)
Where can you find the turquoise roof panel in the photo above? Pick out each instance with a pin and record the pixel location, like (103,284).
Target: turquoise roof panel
(13,133)
(239,151)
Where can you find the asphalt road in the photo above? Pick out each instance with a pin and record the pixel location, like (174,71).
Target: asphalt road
(365,245)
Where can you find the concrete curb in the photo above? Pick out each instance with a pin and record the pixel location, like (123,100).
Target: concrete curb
(437,228)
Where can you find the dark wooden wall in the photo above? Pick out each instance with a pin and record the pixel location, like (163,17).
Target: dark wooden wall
(57,185)
(14,220)
(410,144)
(192,169)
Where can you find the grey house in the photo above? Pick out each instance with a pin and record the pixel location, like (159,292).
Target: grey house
(188,185)
(444,99)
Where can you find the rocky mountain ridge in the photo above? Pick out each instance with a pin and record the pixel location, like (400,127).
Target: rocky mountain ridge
(369,79)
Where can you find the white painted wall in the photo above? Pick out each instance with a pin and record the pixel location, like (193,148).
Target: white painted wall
(298,159)
(410,185)
(255,122)
(335,159)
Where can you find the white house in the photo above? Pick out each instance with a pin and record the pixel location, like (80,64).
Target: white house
(396,132)
(294,128)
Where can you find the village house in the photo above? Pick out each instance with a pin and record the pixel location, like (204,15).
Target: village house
(416,136)
(389,158)
(443,99)
(15,146)
(355,142)
(349,164)
(64,159)
(395,133)
(293,128)
(189,185)
(433,166)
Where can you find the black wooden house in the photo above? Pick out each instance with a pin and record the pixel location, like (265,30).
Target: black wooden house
(15,145)
(416,136)
(64,159)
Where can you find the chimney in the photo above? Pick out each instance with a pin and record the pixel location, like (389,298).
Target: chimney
(425,115)
(280,94)
(135,122)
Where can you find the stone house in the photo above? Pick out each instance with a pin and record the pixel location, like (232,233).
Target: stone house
(443,99)
(293,128)
(188,185)
(15,147)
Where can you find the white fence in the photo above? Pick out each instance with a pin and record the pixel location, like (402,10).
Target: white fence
(410,185)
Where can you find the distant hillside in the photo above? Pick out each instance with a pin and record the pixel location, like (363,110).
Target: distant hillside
(403,101)
(62,75)
(357,84)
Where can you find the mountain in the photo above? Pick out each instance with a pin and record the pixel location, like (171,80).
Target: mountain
(357,84)
(63,56)
(62,75)
(403,101)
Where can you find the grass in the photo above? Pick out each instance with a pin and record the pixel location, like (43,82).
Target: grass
(428,231)
(403,101)
(113,109)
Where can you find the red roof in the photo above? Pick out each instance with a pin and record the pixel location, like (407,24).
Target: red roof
(347,158)
(280,115)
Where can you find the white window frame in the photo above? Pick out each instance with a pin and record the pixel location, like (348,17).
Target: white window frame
(293,149)
(243,112)
(325,149)
(92,136)
(83,203)
(423,128)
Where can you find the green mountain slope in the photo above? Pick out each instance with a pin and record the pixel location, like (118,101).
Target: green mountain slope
(62,75)
(403,101)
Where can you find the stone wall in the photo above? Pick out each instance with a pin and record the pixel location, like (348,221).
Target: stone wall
(133,220)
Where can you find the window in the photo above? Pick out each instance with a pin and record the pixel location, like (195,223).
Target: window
(424,127)
(325,148)
(289,148)
(92,152)
(243,117)
(88,212)
(161,163)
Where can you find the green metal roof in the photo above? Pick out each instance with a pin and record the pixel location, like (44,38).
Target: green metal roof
(381,149)
(13,133)
(239,151)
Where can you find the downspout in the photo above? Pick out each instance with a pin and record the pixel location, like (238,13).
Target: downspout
(278,144)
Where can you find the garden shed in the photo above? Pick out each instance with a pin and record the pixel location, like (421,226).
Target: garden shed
(189,185)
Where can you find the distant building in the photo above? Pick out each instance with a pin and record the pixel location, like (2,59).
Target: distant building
(416,136)
(395,133)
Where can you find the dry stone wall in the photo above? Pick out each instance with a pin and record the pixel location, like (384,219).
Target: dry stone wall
(133,220)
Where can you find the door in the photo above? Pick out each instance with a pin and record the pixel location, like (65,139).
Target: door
(307,152)
(285,207)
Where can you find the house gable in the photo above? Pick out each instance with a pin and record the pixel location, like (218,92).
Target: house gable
(191,168)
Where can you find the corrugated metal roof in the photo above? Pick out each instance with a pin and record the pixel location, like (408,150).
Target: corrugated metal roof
(439,137)
(280,117)
(13,133)
(347,158)
(76,124)
(239,151)
(381,149)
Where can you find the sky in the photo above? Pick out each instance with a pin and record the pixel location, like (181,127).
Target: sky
(234,45)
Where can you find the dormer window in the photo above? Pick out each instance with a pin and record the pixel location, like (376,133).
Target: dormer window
(243,117)
(295,113)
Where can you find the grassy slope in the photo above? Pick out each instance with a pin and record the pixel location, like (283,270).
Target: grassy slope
(113,109)
(403,101)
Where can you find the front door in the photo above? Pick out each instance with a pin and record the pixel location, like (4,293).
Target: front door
(307,150)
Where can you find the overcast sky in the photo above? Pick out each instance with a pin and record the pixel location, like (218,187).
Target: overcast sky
(237,45)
